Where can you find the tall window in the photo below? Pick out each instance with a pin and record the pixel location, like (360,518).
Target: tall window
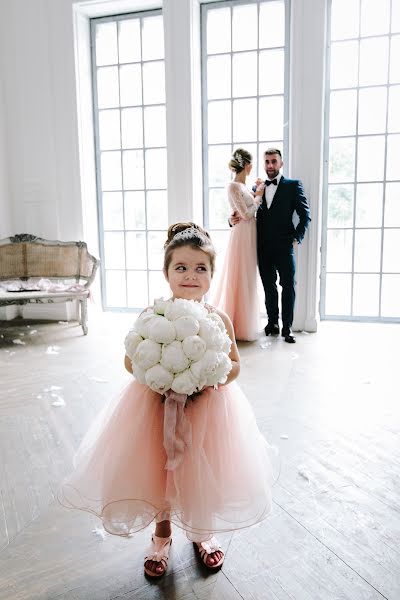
(245,94)
(360,259)
(129,102)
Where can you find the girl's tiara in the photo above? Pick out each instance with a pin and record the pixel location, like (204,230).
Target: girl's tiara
(187,234)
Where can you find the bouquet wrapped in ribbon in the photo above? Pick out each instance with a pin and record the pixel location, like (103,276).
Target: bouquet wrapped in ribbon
(179,345)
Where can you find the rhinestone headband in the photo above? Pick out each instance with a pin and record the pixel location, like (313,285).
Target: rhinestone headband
(187,234)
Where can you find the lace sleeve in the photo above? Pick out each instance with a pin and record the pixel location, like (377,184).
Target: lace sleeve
(235,195)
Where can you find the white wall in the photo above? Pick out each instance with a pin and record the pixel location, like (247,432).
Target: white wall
(48,144)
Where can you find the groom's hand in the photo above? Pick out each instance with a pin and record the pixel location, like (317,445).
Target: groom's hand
(234,218)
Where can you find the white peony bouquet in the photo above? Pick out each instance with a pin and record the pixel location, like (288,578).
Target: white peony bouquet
(179,345)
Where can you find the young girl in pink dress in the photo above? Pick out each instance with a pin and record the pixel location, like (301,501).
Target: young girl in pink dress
(236,292)
(223,480)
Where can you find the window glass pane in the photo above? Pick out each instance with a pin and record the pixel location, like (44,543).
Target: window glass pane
(156,169)
(367,250)
(271,72)
(244,120)
(272,24)
(340,205)
(158,286)
(132,127)
(244,76)
(136,250)
(372,110)
(344,64)
(371,148)
(153,83)
(137,289)
(392,205)
(244,27)
(114,250)
(109,130)
(219,122)
(111,178)
(391,255)
(395,20)
(390,296)
(344,19)
(129,40)
(135,212)
(369,205)
(270,118)
(394,75)
(220,241)
(152,38)
(218,159)
(155,126)
(393,157)
(219,30)
(341,160)
(343,113)
(115,289)
(130,85)
(107,87)
(219,76)
(375,17)
(133,169)
(374,61)
(157,210)
(106,44)
(219,209)
(113,211)
(339,244)
(366,295)
(338,294)
(394,112)
(155,241)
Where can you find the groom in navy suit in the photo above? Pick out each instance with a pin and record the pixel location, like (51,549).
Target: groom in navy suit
(276,238)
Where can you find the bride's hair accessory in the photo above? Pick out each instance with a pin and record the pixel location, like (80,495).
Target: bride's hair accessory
(237,156)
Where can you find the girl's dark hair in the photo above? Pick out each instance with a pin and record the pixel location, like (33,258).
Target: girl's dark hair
(191,235)
(239,159)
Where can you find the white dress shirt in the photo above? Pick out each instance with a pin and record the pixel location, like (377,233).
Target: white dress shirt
(271,189)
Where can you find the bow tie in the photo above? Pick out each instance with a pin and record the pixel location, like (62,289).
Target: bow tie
(268,182)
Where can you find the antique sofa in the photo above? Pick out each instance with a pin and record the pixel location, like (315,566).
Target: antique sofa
(35,270)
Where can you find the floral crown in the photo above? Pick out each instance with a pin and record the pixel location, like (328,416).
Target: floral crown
(189,233)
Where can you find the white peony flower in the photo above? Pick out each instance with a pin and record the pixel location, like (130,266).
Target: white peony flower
(215,318)
(211,333)
(142,323)
(161,330)
(139,373)
(159,306)
(173,357)
(148,354)
(185,327)
(184,383)
(194,347)
(132,341)
(221,370)
(159,379)
(183,308)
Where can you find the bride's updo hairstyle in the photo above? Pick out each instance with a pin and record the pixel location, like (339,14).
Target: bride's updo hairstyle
(188,234)
(240,158)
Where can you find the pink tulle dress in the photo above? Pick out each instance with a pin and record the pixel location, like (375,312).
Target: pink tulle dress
(219,480)
(236,291)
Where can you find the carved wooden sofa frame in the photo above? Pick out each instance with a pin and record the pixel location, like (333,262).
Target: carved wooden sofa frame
(26,256)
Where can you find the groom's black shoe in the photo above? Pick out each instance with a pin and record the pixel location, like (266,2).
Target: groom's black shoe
(271,329)
(288,335)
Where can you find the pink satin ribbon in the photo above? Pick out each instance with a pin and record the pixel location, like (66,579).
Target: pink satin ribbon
(177,429)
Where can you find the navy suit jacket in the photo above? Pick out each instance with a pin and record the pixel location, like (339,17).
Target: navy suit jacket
(275,228)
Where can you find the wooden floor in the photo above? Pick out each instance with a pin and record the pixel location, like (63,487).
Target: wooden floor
(331,404)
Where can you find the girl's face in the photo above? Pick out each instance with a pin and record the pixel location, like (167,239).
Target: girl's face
(189,273)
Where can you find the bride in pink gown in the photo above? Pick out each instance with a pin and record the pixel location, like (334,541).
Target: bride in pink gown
(236,291)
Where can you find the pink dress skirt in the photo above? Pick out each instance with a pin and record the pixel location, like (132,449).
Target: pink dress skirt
(223,481)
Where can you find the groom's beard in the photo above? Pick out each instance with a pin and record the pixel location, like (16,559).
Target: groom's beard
(272,174)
